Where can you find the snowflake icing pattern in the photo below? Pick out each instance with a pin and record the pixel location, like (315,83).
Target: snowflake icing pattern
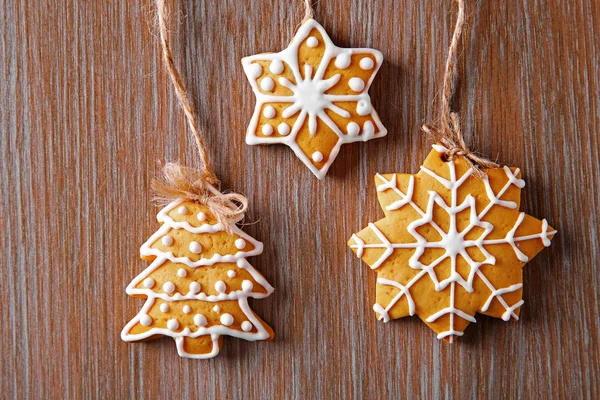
(438,226)
(313,89)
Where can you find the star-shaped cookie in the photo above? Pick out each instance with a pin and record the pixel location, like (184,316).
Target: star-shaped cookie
(313,97)
(451,245)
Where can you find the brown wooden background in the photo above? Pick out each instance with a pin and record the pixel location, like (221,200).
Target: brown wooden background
(87,115)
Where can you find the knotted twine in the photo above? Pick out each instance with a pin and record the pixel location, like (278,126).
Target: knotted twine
(449,134)
(177,181)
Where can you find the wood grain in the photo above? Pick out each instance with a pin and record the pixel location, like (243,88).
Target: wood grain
(87,115)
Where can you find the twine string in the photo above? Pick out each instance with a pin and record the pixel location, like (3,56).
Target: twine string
(450,135)
(309,12)
(182,182)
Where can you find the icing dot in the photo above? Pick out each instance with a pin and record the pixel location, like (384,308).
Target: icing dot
(267,84)
(240,243)
(247,286)
(267,130)
(353,128)
(195,287)
(317,156)
(148,283)
(226,319)
(195,248)
(246,326)
(172,324)
(167,240)
(145,320)
(283,129)
(367,63)
(217,309)
(269,112)
(182,273)
(276,67)
(183,210)
(342,61)
(231,273)
(186,309)
(255,70)
(312,42)
(164,307)
(220,287)
(169,287)
(201,216)
(356,84)
(200,320)
(364,108)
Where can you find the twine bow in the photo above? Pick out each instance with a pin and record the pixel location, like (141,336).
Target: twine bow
(188,183)
(450,135)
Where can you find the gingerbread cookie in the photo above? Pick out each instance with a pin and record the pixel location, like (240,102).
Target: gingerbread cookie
(313,97)
(198,284)
(451,245)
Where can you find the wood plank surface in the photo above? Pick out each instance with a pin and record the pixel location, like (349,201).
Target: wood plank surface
(87,117)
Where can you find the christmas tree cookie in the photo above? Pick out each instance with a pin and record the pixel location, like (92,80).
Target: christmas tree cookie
(198,284)
(313,97)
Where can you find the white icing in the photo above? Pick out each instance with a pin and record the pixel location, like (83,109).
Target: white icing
(312,41)
(368,130)
(226,319)
(353,129)
(183,210)
(342,61)
(452,242)
(283,128)
(267,84)
(172,324)
(267,130)
(364,108)
(241,296)
(186,309)
(269,112)
(356,84)
(195,287)
(240,244)
(215,330)
(168,287)
(254,70)
(231,273)
(317,156)
(247,286)
(195,247)
(149,283)
(200,320)
(167,240)
(276,67)
(309,100)
(367,63)
(201,216)
(145,320)
(220,286)
(181,272)
(246,326)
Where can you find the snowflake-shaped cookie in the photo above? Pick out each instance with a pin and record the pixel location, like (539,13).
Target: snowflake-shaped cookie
(313,96)
(451,245)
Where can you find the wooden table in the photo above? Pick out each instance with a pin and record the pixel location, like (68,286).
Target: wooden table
(88,115)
